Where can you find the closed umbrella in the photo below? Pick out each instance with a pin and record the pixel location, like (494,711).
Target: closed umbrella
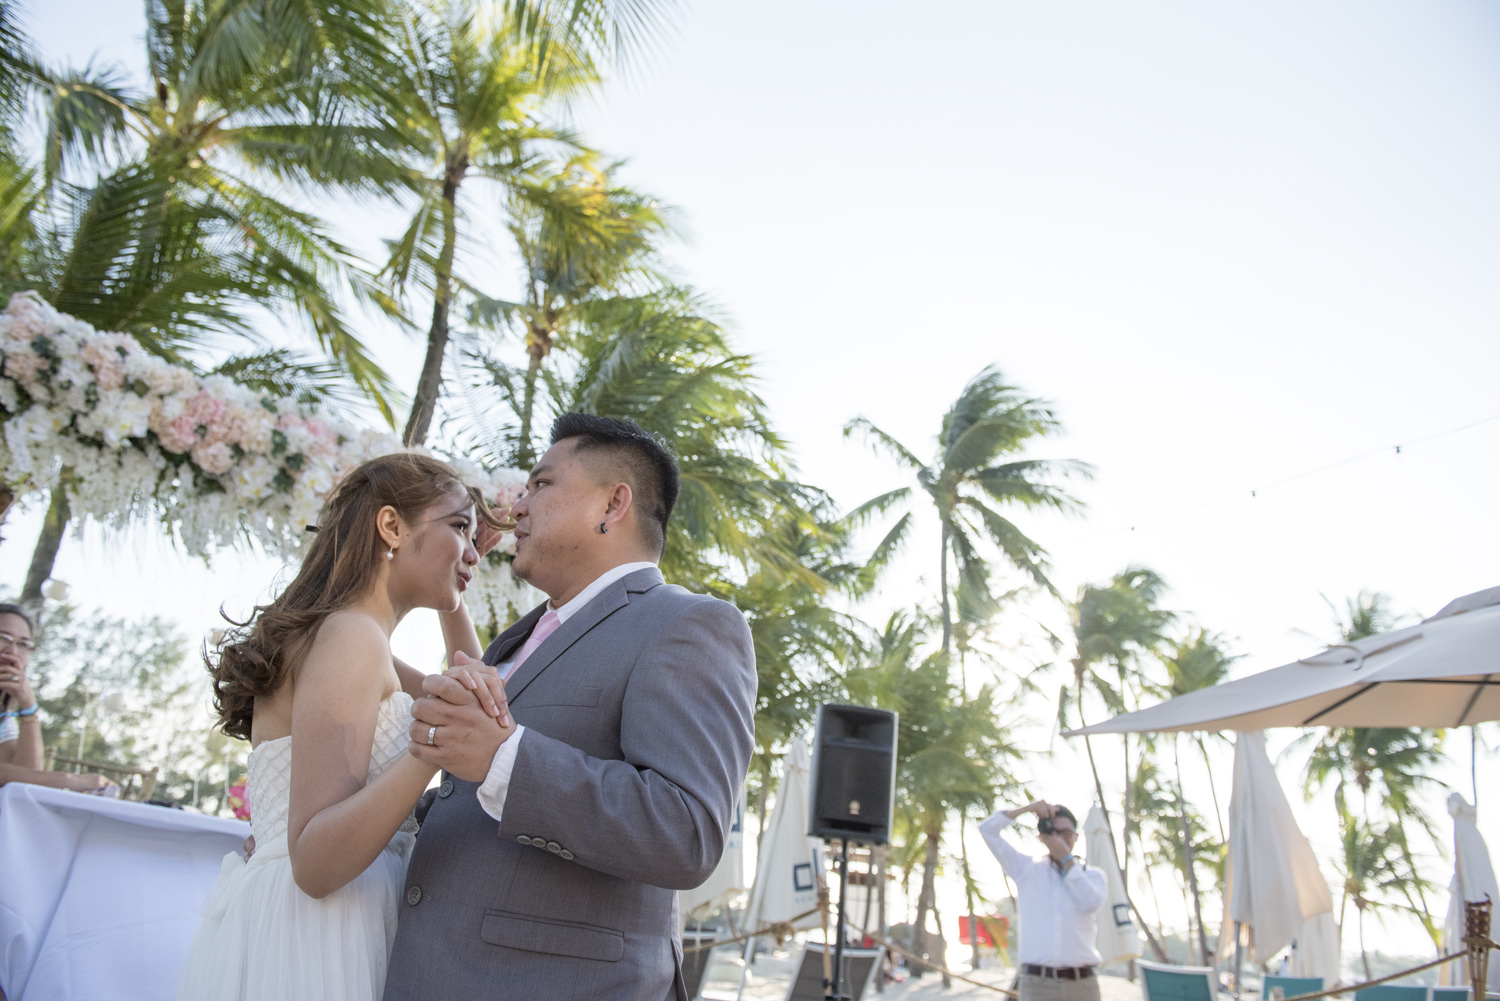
(790,864)
(1473,879)
(1442,672)
(790,867)
(728,879)
(1117,939)
(1272,881)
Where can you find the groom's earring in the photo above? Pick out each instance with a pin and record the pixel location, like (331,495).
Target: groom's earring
(602,529)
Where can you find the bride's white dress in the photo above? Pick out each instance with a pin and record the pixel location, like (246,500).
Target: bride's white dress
(262,937)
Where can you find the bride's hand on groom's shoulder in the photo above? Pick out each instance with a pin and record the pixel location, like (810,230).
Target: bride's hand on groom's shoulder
(462,720)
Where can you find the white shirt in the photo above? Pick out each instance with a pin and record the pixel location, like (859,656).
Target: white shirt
(1055,910)
(496,784)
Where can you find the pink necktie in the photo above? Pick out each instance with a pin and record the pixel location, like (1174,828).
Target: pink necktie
(545,626)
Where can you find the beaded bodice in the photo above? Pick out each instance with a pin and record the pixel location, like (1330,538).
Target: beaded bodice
(268,786)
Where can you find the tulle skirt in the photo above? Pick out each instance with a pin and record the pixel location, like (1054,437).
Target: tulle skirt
(263,939)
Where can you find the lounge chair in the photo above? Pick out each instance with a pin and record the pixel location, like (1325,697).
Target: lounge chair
(1392,992)
(1290,986)
(1160,982)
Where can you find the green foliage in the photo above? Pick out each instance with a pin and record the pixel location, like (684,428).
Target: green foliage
(150,211)
(136,695)
(976,474)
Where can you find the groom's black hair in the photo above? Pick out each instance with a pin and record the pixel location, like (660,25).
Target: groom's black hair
(648,465)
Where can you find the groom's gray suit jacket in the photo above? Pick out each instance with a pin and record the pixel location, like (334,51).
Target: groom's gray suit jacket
(638,714)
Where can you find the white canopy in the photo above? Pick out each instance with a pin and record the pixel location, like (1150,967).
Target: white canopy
(728,878)
(1272,880)
(791,863)
(1473,879)
(1117,939)
(1442,672)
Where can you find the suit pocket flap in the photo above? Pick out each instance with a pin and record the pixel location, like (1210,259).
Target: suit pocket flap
(584,696)
(555,938)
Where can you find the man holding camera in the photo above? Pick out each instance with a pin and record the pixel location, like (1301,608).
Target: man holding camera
(1058,898)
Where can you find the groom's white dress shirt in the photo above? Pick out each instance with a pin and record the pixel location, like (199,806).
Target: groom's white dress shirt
(496,784)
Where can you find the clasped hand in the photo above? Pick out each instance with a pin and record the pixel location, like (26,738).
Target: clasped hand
(466,717)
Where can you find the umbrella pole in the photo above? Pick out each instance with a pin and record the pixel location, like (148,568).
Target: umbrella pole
(1239,959)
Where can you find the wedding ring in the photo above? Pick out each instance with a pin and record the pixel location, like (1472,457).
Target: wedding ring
(432,735)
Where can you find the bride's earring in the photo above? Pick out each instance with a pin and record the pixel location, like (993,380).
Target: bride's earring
(390,553)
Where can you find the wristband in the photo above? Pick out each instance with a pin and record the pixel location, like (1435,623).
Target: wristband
(21,713)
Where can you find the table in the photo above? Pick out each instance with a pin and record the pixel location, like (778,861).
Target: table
(99,898)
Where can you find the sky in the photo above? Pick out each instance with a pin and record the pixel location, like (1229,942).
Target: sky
(1246,250)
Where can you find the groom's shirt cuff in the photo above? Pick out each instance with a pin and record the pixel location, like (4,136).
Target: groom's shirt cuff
(497,783)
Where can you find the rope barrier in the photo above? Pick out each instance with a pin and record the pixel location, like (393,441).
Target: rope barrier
(1472,944)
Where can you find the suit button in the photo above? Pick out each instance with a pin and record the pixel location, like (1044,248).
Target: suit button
(565,854)
(414,895)
(554,847)
(525,839)
(446,789)
(539,842)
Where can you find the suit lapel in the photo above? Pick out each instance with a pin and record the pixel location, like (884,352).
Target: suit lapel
(507,643)
(604,604)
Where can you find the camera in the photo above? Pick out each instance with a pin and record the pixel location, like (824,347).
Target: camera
(1044,825)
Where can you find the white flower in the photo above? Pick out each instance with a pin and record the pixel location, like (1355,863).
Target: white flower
(253,477)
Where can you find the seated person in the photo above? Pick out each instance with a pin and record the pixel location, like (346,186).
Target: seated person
(20,732)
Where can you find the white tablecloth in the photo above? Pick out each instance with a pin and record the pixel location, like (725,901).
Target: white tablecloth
(99,898)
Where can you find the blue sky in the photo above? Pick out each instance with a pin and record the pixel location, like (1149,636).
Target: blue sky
(1233,243)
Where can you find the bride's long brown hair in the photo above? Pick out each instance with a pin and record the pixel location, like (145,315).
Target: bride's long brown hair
(340,566)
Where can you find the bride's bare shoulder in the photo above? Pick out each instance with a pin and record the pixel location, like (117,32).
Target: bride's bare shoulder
(346,639)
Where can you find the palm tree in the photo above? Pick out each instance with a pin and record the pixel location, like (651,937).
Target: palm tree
(469,84)
(581,236)
(152,213)
(1396,762)
(1117,624)
(974,475)
(662,360)
(1196,662)
(1376,867)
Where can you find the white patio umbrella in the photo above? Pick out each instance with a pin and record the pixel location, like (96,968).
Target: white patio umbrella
(1272,880)
(1442,672)
(728,877)
(790,866)
(1117,939)
(1473,879)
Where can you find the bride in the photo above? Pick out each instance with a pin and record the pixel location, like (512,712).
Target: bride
(310,681)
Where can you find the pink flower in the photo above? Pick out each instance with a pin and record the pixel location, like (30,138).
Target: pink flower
(212,457)
(204,408)
(180,434)
(23,366)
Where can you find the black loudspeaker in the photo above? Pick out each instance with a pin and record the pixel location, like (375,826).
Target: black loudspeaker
(854,774)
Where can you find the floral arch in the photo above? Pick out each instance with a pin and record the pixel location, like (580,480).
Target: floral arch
(129,435)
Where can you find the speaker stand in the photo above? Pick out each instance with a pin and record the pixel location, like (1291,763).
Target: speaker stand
(833,987)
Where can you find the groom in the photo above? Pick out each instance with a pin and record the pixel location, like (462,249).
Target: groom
(547,867)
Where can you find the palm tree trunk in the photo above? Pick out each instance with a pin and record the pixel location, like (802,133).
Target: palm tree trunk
(48,542)
(536,347)
(1212,788)
(1187,856)
(1364,957)
(927,896)
(963,854)
(430,382)
(943,588)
